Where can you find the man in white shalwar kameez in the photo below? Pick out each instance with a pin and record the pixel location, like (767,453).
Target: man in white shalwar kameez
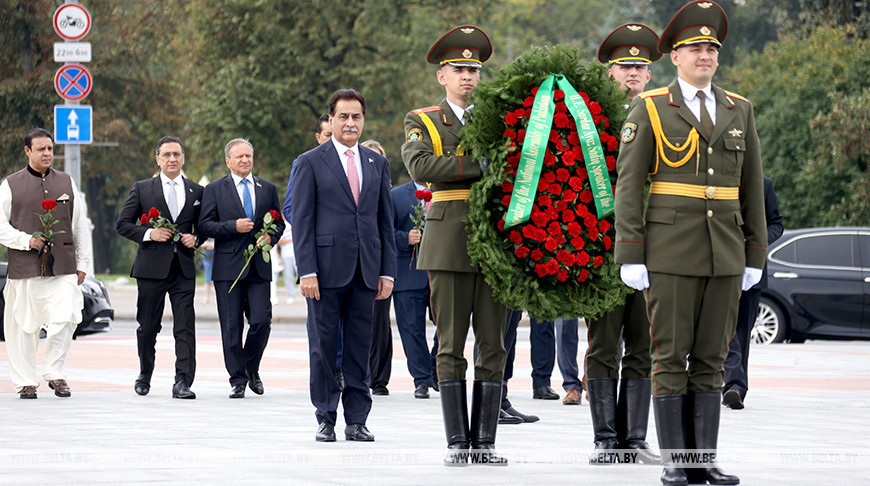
(34,301)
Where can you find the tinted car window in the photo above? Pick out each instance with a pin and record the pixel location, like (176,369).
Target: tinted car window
(827,250)
(864,242)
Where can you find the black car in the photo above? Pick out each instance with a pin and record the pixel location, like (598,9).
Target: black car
(97,314)
(818,286)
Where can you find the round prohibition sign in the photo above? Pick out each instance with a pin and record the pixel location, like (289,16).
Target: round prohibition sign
(72,21)
(73,82)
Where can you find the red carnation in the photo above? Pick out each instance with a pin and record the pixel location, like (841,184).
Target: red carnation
(558,94)
(500,225)
(424,195)
(49,204)
(555,189)
(560,120)
(578,243)
(584,274)
(544,200)
(574,229)
(529,101)
(515,237)
(549,159)
(604,226)
(550,244)
(562,205)
(611,162)
(536,254)
(568,158)
(275,215)
(576,183)
(521,136)
(522,252)
(539,218)
(574,138)
(507,186)
(554,228)
(593,233)
(550,177)
(510,119)
(568,216)
(561,107)
(535,90)
(145,219)
(594,108)
(509,134)
(586,196)
(562,174)
(506,201)
(569,195)
(153,213)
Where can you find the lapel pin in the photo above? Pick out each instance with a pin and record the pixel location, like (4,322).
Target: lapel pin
(258,185)
(371,161)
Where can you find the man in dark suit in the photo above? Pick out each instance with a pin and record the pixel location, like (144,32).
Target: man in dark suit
(232,213)
(346,258)
(737,362)
(164,264)
(411,293)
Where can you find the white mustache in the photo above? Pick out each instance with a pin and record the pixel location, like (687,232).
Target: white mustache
(354,130)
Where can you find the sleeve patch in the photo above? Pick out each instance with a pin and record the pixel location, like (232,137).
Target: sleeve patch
(628,132)
(415,134)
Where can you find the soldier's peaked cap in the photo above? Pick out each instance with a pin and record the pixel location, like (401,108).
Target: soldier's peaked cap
(696,22)
(630,44)
(464,46)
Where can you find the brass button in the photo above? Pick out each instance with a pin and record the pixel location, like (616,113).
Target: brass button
(710,192)
(709,213)
(711,171)
(710,150)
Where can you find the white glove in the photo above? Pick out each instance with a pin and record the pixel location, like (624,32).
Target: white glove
(751,276)
(635,275)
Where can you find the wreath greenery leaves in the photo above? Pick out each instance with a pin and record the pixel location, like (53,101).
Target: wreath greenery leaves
(586,282)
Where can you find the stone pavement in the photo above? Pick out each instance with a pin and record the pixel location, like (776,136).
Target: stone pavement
(806,422)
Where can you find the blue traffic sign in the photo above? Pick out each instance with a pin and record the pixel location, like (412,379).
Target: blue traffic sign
(73,124)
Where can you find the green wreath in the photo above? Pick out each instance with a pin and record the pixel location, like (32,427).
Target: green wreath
(559,263)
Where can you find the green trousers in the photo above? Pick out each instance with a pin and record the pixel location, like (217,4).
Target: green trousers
(459,300)
(692,320)
(631,321)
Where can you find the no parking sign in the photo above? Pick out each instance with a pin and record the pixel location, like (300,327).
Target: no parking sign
(73,82)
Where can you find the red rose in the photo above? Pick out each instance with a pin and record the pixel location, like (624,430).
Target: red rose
(49,204)
(584,274)
(597,261)
(509,133)
(607,242)
(574,229)
(500,224)
(566,257)
(522,252)
(510,119)
(578,243)
(582,258)
(275,215)
(604,226)
(144,219)
(536,254)
(562,275)
(153,213)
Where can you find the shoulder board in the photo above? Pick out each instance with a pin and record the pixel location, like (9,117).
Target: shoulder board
(426,110)
(654,92)
(735,95)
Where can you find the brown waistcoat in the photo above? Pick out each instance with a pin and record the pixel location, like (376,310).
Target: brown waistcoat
(28,192)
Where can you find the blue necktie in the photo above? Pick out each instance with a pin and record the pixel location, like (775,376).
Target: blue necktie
(246,195)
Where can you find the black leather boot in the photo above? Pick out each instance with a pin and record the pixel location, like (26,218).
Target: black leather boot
(602,406)
(485,406)
(454,408)
(632,417)
(668,411)
(705,416)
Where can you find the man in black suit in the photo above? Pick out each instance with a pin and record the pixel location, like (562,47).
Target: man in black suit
(346,258)
(411,293)
(737,363)
(164,263)
(232,213)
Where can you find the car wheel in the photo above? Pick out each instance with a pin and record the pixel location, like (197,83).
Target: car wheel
(770,326)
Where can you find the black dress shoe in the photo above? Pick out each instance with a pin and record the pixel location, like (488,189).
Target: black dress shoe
(544,393)
(380,390)
(422,391)
(255,383)
(238,391)
(141,386)
(325,433)
(506,418)
(526,418)
(358,432)
(181,390)
(732,400)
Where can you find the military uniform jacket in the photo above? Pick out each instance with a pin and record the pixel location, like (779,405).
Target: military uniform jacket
(445,241)
(682,235)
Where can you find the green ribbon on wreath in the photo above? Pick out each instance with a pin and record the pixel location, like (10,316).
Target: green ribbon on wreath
(535,144)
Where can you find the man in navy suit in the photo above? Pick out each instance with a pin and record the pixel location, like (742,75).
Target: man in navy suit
(411,293)
(232,213)
(346,258)
(164,265)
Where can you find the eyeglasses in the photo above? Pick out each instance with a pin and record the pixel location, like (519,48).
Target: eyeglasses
(167,155)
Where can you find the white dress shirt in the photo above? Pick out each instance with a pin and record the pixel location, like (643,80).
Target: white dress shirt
(459,111)
(179,197)
(693,103)
(341,149)
(240,189)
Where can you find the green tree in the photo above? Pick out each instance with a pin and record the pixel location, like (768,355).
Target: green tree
(790,83)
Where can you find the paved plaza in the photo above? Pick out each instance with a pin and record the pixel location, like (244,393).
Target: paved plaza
(806,421)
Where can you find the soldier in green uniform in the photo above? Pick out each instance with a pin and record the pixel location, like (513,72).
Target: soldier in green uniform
(459,294)
(702,237)
(622,423)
